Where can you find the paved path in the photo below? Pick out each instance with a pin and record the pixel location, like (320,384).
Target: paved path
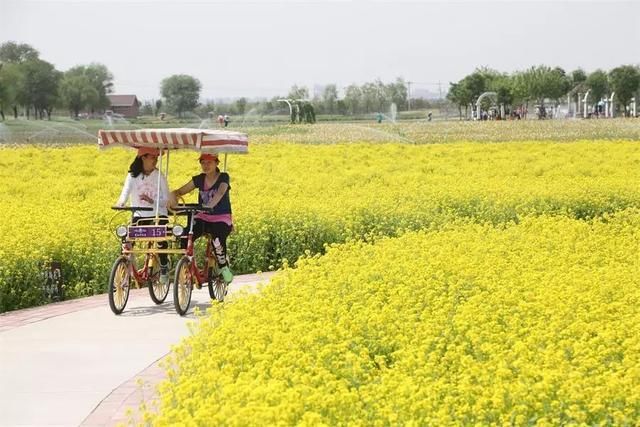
(76,363)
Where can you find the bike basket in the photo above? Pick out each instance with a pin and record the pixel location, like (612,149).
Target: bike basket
(147,232)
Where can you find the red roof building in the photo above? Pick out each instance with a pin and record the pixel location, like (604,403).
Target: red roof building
(127,105)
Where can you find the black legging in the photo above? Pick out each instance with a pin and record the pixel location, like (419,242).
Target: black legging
(217,230)
(164,258)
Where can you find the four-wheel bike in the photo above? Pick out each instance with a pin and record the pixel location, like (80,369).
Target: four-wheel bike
(146,240)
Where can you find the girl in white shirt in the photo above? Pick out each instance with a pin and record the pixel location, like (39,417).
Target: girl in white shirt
(141,186)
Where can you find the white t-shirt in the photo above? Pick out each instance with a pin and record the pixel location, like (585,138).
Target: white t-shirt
(145,184)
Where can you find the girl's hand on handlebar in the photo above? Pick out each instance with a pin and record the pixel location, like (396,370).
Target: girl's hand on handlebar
(173,200)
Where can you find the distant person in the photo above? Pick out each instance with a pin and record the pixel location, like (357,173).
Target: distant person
(429,116)
(226,120)
(379,117)
(220,120)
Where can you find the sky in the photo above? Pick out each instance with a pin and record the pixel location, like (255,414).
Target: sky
(260,49)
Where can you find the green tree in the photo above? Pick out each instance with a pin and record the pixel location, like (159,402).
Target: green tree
(4,93)
(100,78)
(369,97)
(158,107)
(77,93)
(17,53)
(353,98)
(298,92)
(308,112)
(241,105)
(598,83)
(577,81)
(578,76)
(397,93)
(533,84)
(147,108)
(558,83)
(542,82)
(476,84)
(207,108)
(13,54)
(181,92)
(460,95)
(329,98)
(40,86)
(382,95)
(625,81)
(519,88)
(271,106)
(11,82)
(502,85)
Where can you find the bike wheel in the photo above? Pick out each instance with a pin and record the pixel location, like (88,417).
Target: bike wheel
(157,291)
(182,286)
(211,278)
(217,289)
(119,285)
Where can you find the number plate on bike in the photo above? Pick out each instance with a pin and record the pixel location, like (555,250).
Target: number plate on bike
(147,231)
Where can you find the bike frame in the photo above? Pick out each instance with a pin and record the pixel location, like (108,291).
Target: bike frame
(210,260)
(149,251)
(140,275)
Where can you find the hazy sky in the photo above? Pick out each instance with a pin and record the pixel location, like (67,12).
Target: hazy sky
(250,48)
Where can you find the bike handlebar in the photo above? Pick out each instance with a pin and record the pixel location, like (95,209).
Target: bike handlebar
(192,207)
(132,208)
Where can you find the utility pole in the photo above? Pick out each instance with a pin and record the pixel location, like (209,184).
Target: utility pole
(440,89)
(408,96)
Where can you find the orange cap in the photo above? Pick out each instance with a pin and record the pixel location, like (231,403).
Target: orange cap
(208,156)
(148,150)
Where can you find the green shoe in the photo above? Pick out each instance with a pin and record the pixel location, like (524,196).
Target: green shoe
(227,275)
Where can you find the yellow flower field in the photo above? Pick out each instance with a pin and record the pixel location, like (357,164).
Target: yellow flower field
(527,324)
(467,283)
(288,198)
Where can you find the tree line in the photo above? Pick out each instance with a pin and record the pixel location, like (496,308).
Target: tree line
(540,84)
(33,85)
(368,98)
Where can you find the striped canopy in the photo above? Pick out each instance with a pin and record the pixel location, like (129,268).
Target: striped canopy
(204,140)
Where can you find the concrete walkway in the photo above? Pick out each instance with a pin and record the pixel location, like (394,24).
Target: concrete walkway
(76,363)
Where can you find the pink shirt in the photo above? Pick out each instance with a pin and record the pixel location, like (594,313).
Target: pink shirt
(226,218)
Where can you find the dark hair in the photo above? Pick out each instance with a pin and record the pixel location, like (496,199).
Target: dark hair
(135,168)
